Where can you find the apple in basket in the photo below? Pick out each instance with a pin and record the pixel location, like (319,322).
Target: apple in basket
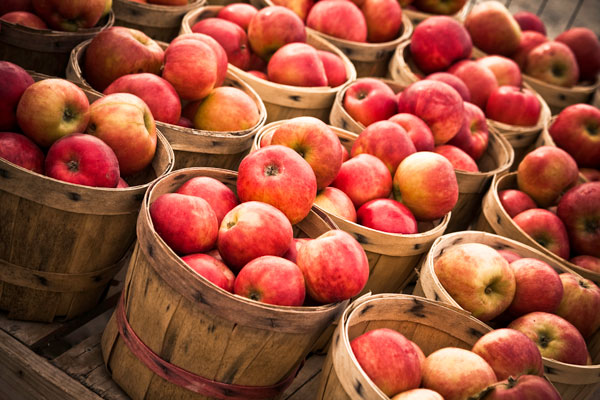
(506,71)
(480,80)
(529,21)
(300,7)
(225,109)
(238,13)
(493,28)
(473,136)
(24,18)
(340,19)
(15,5)
(546,229)
(508,255)
(335,69)
(19,150)
(528,387)
(212,269)
(292,253)
(417,130)
(554,63)
(585,45)
(418,394)
(387,215)
(590,174)
(272,27)
(515,201)
(14,82)
(590,263)
(230,36)
(580,303)
(297,64)
(52,108)
(383,18)
(579,209)
(69,16)
(336,202)
(514,106)
(369,100)
(453,81)
(575,130)
(460,160)
(216,193)
(529,40)
(217,48)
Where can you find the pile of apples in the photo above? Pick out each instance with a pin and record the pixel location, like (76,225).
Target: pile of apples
(502,364)
(66,137)
(244,244)
(55,14)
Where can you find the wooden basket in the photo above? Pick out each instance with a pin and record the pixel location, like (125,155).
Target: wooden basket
(160,22)
(559,97)
(401,67)
(574,382)
(199,327)
(194,147)
(284,101)
(41,50)
(62,243)
(430,324)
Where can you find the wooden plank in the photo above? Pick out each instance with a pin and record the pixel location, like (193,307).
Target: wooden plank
(307,381)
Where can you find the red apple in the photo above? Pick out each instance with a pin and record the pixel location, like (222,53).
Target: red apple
(515,201)
(14,82)
(460,160)
(580,304)
(369,100)
(493,28)
(387,215)
(529,40)
(529,21)
(546,229)
(445,7)
(24,18)
(453,81)
(69,16)
(579,209)
(480,80)
(417,130)
(292,252)
(272,27)
(336,202)
(588,262)
(576,130)
(585,45)
(122,184)
(335,69)
(418,394)
(217,48)
(340,19)
(524,387)
(509,255)
(514,106)
(21,151)
(259,74)
(230,36)
(297,64)
(554,63)
(473,136)
(506,71)
(226,109)
(15,5)
(383,18)
(590,174)
(238,13)
(212,269)
(220,197)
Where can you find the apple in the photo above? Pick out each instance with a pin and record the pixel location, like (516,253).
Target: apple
(509,255)
(545,173)
(418,394)
(300,7)
(459,159)
(187,224)
(334,265)
(279,176)
(271,28)
(52,108)
(585,45)
(336,202)
(369,100)
(69,16)
(575,130)
(15,80)
(438,42)
(579,209)
(230,36)
(493,28)
(383,18)
(212,269)
(24,18)
(340,19)
(226,109)
(529,21)
(506,71)
(445,7)
(238,13)
(555,337)
(15,5)
(125,123)
(297,64)
(590,174)
(478,278)
(473,136)
(168,2)
(335,69)
(514,106)
(436,103)
(580,303)
(515,201)
(387,215)
(220,197)
(529,40)
(546,229)
(453,81)
(315,142)
(122,184)
(417,130)
(222,61)
(444,371)
(292,252)
(389,359)
(19,150)
(524,387)
(363,178)
(480,80)
(554,63)
(590,263)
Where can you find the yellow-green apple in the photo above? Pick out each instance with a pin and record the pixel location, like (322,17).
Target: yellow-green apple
(226,109)
(334,265)
(588,262)
(14,82)
(340,19)
(250,230)
(508,255)
(387,141)
(554,63)
(315,142)
(272,280)
(436,103)
(444,7)
(580,303)
(473,136)
(387,215)
(506,71)
(272,27)
(52,108)
(238,13)
(438,42)
(24,18)
(425,182)
(459,159)
(279,176)
(456,373)
(336,202)
(590,174)
(529,40)
(538,287)
(418,394)
(297,64)
(83,160)
(383,18)
(576,130)
(213,270)
(545,173)
(389,359)
(217,48)
(529,21)
(187,224)
(514,106)
(509,353)
(157,93)
(555,337)
(335,69)
(417,130)
(585,45)
(515,201)
(69,15)
(292,253)
(480,80)
(546,229)
(493,28)
(453,81)
(19,150)
(579,209)
(524,387)
(363,178)
(216,193)
(300,7)
(126,124)
(15,5)
(118,51)
(230,36)
(478,278)
(369,100)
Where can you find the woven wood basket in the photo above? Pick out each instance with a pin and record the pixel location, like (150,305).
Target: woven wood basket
(60,243)
(44,51)
(559,97)
(284,101)
(574,382)
(194,147)
(430,324)
(205,331)
(402,68)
